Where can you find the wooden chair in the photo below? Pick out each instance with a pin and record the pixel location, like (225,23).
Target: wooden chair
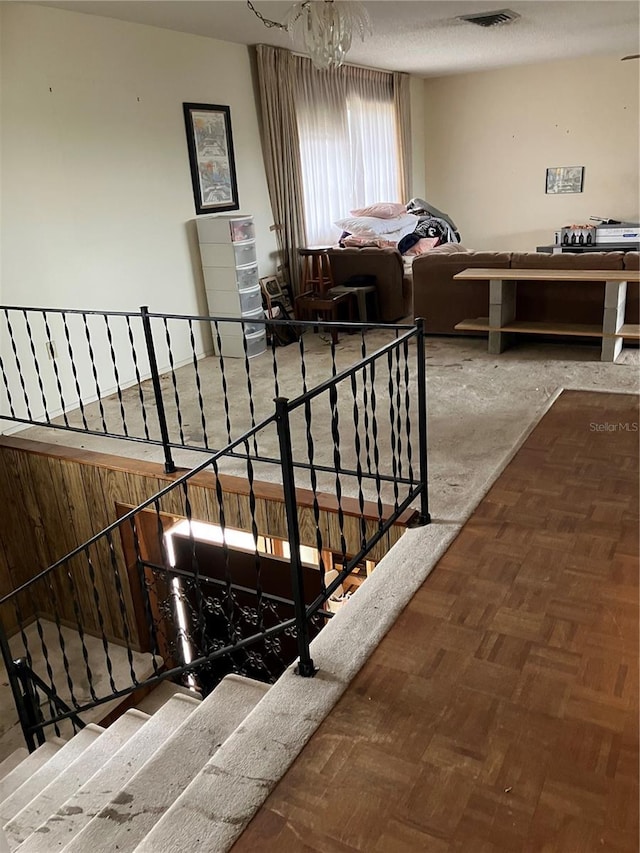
(314,306)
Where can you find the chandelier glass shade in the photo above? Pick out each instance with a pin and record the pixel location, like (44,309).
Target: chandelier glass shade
(324,28)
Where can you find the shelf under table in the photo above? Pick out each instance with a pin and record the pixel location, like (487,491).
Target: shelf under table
(529,327)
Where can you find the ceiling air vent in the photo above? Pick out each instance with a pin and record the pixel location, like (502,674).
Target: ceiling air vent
(491,19)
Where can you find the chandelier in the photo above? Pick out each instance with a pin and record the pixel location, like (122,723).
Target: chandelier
(325,28)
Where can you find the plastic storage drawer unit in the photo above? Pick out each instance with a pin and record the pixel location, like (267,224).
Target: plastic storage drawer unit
(242,229)
(250,300)
(256,343)
(247,277)
(223,228)
(245,253)
(253,321)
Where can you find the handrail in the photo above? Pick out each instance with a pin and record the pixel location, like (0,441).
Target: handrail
(377,454)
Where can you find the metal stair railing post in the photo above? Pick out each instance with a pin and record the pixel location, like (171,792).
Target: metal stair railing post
(425,517)
(169,464)
(33,714)
(24,714)
(305,663)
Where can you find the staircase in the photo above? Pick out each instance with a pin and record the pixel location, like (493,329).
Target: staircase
(117,788)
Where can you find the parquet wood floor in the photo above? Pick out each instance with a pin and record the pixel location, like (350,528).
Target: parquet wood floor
(500,712)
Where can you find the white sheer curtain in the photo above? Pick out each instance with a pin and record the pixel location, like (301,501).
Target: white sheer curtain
(348,143)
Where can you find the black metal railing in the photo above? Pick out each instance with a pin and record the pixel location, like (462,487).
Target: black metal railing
(133,375)
(150,597)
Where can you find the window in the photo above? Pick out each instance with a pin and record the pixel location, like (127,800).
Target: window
(348,144)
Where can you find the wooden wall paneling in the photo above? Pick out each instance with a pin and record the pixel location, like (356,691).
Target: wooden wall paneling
(117,486)
(239,509)
(146,592)
(52,590)
(211,505)
(137,617)
(174,502)
(141,488)
(67,495)
(87,518)
(8,616)
(307,522)
(212,502)
(22,528)
(262,516)
(198,501)
(12,527)
(23,533)
(276,518)
(102,586)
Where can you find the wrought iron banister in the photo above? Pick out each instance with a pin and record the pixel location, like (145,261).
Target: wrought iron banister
(121,593)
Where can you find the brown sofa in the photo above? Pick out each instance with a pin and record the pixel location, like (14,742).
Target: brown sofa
(443,302)
(394,303)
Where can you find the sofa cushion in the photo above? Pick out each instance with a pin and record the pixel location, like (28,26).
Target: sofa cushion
(567,261)
(443,302)
(384,264)
(449,249)
(563,301)
(632,260)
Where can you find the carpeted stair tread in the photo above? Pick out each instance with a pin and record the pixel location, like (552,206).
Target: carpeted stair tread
(28,766)
(162,693)
(73,776)
(61,826)
(12,761)
(39,780)
(131,813)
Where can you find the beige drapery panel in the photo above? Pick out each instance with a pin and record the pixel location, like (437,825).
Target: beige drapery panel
(281,151)
(402,100)
(348,143)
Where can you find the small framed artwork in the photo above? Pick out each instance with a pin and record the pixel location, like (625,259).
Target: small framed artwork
(275,290)
(565,179)
(271,286)
(213,168)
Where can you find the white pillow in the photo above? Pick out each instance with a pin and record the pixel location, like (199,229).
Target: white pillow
(381,210)
(372,226)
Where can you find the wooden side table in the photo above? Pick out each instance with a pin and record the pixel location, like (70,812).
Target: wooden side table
(314,306)
(316,269)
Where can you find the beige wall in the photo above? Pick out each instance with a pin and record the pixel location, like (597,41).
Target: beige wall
(96,194)
(97,200)
(490,137)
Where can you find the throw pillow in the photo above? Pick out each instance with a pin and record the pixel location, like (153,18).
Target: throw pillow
(382,210)
(448,249)
(424,244)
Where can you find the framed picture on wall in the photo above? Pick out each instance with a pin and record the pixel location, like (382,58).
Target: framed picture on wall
(213,168)
(565,179)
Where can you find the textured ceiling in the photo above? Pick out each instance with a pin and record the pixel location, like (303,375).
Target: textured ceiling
(422,38)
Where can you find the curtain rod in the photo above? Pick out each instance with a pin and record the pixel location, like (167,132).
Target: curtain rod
(350,64)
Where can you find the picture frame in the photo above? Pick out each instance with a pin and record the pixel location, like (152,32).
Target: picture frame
(564,179)
(276,290)
(271,286)
(211,157)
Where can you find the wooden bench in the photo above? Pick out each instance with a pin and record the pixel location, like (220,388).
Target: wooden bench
(502,320)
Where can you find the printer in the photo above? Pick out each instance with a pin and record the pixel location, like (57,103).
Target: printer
(613,231)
